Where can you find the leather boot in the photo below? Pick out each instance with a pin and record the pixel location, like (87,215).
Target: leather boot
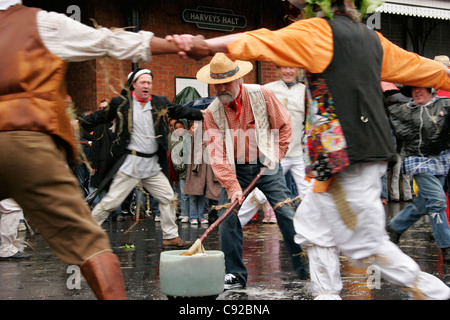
(103,274)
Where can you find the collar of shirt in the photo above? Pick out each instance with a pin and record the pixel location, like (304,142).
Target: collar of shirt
(147,107)
(290,84)
(236,104)
(139,98)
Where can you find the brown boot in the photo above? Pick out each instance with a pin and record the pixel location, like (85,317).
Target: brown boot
(176,243)
(103,274)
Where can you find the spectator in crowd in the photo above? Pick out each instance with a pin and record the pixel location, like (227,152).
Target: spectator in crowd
(422,126)
(201,183)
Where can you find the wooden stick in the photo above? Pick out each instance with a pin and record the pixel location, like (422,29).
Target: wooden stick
(225,214)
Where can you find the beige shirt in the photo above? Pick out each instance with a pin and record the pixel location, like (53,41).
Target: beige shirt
(73,41)
(294,101)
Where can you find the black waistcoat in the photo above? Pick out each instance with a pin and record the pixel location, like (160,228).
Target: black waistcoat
(349,91)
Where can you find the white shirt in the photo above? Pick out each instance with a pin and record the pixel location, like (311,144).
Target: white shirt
(294,100)
(73,41)
(143,140)
(5,4)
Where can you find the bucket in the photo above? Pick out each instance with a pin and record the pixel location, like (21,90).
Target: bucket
(199,275)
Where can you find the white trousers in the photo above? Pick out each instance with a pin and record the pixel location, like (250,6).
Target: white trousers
(159,188)
(250,205)
(318,223)
(296,166)
(10,213)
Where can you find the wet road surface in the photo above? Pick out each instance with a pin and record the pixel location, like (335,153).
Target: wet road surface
(45,277)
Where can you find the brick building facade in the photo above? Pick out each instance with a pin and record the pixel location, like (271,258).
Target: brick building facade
(92,81)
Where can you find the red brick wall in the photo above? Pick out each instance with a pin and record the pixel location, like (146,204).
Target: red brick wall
(165,17)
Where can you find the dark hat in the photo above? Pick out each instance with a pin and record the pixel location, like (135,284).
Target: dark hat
(406,90)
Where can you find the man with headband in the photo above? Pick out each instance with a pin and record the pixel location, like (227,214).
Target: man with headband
(139,149)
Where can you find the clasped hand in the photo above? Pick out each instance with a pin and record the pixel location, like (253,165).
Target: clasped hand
(190,46)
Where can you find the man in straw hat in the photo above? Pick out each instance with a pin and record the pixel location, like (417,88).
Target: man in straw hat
(37,138)
(348,142)
(246,128)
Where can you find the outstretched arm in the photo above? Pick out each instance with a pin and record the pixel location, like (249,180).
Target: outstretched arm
(401,66)
(196,47)
(193,46)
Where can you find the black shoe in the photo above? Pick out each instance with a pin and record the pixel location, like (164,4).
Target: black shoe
(232,282)
(17,256)
(393,235)
(446,255)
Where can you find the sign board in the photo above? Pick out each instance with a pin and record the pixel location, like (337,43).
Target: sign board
(214,18)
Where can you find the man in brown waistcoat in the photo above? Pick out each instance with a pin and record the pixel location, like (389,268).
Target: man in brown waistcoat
(37,138)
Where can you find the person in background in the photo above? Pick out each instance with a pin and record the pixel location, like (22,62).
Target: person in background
(10,213)
(422,127)
(291,92)
(100,156)
(201,183)
(179,146)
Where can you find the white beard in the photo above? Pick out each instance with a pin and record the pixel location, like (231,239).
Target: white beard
(226,98)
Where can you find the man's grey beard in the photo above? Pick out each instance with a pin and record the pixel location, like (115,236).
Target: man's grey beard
(226,97)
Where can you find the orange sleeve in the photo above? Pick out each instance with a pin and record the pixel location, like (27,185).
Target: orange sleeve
(408,68)
(306,44)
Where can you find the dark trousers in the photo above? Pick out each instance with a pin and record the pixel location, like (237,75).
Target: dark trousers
(231,234)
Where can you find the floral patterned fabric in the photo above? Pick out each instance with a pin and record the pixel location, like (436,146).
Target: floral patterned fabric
(325,145)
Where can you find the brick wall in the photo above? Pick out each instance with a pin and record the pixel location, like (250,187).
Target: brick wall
(165,17)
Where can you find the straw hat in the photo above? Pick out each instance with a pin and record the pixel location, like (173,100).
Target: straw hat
(443,59)
(222,70)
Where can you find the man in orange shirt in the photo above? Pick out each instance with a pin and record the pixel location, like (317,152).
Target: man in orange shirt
(348,143)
